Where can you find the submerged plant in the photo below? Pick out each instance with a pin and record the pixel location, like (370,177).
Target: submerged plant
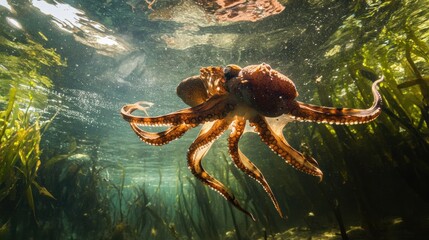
(20,134)
(397,49)
(21,65)
(24,86)
(388,38)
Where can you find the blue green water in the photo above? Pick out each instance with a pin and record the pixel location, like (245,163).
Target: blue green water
(109,185)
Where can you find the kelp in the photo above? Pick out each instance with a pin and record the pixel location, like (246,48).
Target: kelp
(21,133)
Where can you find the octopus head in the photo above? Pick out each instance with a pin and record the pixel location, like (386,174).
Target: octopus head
(192,91)
(262,88)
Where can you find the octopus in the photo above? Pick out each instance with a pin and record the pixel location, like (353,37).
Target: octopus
(229,98)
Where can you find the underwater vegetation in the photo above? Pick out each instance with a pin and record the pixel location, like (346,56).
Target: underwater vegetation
(20,159)
(396,146)
(23,66)
(23,91)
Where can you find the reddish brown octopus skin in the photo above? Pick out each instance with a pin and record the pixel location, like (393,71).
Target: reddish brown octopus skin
(226,98)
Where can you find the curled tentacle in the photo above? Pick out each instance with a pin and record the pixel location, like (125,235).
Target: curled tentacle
(208,134)
(154,138)
(141,105)
(276,141)
(215,108)
(348,116)
(161,138)
(244,164)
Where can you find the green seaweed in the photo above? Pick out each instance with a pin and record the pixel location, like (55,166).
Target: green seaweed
(388,38)
(20,153)
(21,67)
(23,92)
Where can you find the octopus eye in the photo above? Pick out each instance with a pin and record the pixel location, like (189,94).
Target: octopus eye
(231,71)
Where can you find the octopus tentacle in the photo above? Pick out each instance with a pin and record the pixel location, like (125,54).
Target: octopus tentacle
(277,142)
(348,116)
(130,108)
(154,138)
(244,164)
(161,138)
(208,134)
(214,108)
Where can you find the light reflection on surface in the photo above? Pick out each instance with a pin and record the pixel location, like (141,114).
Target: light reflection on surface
(84,30)
(5,4)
